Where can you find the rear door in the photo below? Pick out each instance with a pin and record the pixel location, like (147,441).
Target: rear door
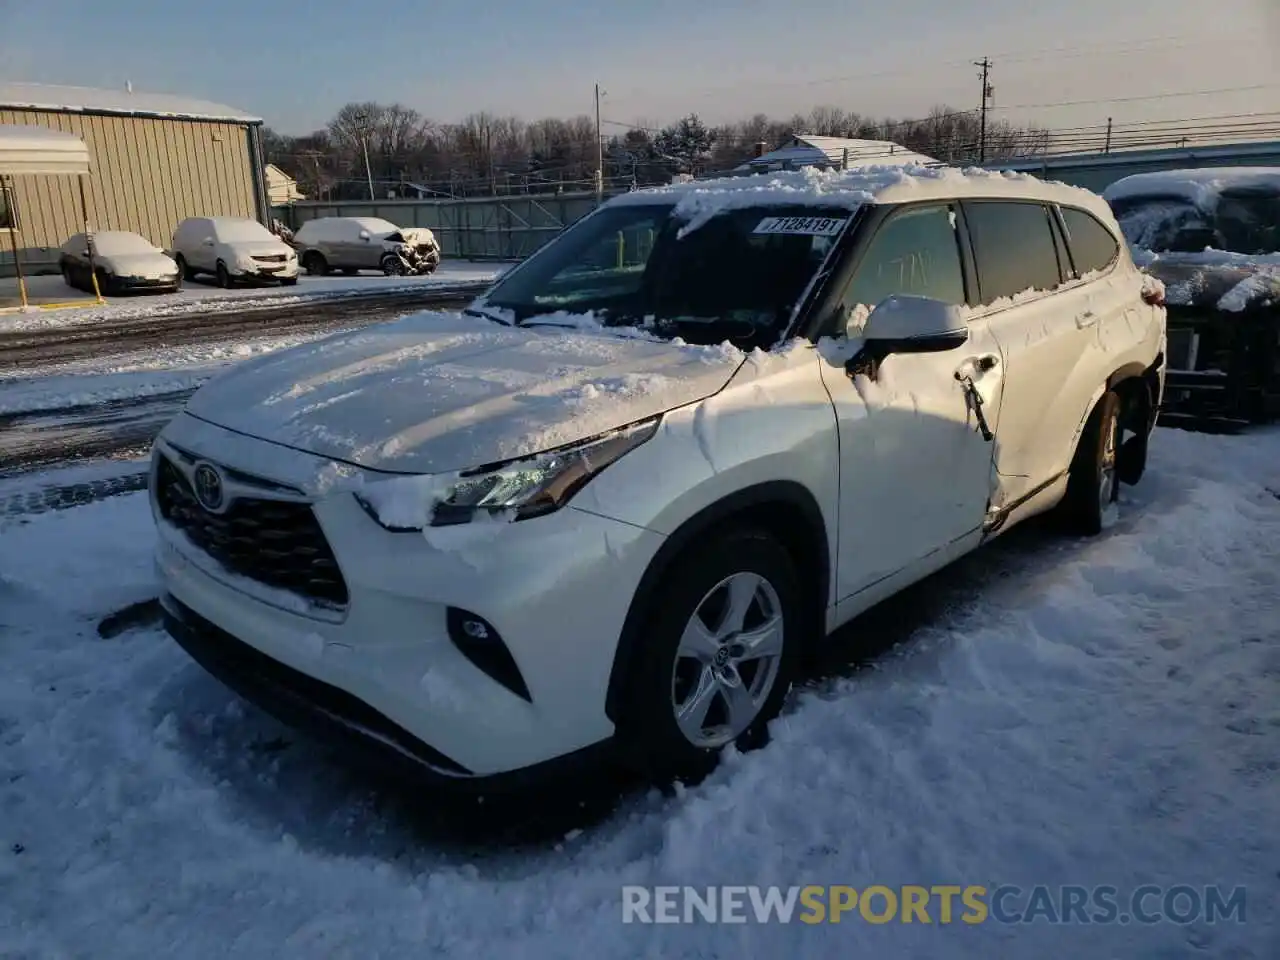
(1045,321)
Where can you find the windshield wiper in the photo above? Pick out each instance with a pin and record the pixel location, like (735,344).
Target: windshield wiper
(483,314)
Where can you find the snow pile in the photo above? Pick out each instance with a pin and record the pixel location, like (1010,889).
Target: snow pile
(1099,712)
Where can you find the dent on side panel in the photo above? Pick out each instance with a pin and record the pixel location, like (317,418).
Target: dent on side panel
(773,422)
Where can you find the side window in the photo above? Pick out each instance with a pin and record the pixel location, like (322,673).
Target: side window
(1093,247)
(8,214)
(915,253)
(1013,246)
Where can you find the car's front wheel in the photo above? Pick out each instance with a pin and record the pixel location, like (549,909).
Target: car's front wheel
(717,658)
(223,275)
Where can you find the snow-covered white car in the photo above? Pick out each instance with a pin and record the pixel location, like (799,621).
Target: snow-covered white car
(614,504)
(351,244)
(125,262)
(232,249)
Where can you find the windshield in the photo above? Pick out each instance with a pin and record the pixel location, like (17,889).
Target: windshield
(112,242)
(1244,221)
(738,276)
(234,231)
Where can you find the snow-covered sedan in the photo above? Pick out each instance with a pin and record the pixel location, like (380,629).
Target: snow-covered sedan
(126,262)
(614,504)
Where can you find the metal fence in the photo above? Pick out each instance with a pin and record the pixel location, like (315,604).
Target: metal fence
(476,228)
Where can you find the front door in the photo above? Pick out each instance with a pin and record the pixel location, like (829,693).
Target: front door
(916,465)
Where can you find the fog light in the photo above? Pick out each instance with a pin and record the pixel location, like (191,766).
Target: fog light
(479,642)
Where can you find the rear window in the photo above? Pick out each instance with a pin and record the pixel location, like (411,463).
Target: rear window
(1013,245)
(1093,248)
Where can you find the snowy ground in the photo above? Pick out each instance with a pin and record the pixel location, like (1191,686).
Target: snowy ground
(1062,712)
(204,297)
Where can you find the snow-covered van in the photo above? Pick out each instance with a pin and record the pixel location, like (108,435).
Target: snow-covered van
(232,249)
(350,244)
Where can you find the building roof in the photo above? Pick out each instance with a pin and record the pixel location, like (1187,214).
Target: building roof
(806,150)
(855,187)
(28,150)
(41,96)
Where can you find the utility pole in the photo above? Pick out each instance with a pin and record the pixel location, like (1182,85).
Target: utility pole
(987,91)
(599,153)
(363,120)
(1107,149)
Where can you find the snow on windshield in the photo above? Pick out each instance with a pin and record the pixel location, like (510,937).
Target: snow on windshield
(242,230)
(120,242)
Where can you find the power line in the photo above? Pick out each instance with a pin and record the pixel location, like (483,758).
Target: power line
(1153,96)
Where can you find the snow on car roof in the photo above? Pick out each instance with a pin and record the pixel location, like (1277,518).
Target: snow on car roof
(701,199)
(116,241)
(43,96)
(1198,186)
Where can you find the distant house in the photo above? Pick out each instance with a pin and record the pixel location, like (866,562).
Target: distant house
(804,150)
(281,188)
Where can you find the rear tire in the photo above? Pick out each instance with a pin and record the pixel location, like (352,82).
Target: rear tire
(694,640)
(1094,481)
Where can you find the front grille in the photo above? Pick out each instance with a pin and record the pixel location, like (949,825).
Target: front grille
(273,542)
(272,258)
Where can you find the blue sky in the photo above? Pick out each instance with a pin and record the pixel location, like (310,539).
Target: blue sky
(295,63)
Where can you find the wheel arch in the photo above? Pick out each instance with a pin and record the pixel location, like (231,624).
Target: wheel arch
(784,508)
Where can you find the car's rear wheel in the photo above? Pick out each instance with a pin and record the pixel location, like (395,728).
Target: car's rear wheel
(720,651)
(224,277)
(1094,481)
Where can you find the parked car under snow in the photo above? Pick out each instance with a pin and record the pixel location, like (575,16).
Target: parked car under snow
(1213,237)
(350,244)
(125,262)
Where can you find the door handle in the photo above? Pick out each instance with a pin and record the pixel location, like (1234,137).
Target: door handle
(1086,319)
(977,365)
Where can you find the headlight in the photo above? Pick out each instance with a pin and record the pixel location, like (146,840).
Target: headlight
(516,490)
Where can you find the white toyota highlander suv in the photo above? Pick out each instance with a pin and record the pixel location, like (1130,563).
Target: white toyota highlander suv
(613,504)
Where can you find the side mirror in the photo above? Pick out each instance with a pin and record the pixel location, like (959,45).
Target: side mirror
(364,234)
(905,324)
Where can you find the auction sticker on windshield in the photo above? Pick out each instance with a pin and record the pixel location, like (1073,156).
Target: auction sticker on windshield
(806,226)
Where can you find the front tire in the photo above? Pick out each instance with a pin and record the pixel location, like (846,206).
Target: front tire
(184,269)
(224,277)
(1094,481)
(315,264)
(720,651)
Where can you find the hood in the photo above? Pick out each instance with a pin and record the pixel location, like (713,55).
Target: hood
(148,265)
(1215,280)
(437,393)
(416,236)
(259,248)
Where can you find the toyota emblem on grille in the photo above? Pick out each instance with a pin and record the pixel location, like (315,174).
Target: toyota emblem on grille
(208,484)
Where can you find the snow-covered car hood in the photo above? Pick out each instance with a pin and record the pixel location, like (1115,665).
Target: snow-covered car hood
(1216,280)
(149,265)
(436,393)
(418,236)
